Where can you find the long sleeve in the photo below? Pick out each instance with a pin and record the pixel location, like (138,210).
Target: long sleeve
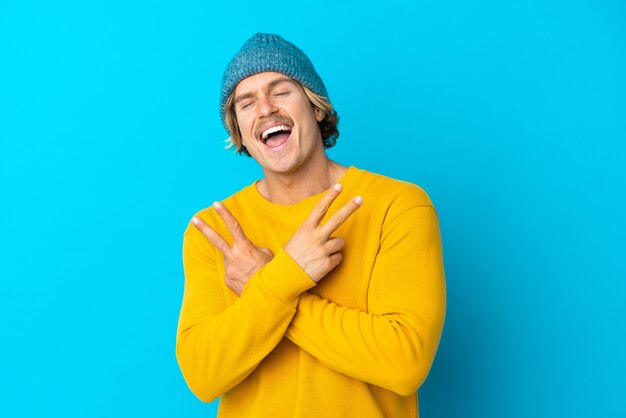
(393,344)
(222,339)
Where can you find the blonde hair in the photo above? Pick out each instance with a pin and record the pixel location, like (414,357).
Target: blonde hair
(328,125)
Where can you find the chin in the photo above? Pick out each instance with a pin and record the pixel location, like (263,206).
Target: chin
(281,168)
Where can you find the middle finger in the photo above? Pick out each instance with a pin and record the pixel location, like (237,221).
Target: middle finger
(341,215)
(230,222)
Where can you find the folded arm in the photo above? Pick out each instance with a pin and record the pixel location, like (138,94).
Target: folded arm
(218,345)
(393,344)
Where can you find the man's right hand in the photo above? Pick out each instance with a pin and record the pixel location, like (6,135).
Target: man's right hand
(311,246)
(243,258)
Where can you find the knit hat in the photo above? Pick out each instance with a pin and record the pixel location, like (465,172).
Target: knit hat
(268,52)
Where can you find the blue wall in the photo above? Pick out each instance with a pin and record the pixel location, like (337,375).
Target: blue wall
(512,115)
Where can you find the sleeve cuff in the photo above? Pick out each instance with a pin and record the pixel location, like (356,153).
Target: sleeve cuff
(285,278)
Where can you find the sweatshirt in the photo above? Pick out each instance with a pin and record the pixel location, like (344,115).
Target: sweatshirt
(359,343)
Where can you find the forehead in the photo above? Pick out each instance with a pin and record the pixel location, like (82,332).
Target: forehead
(261,81)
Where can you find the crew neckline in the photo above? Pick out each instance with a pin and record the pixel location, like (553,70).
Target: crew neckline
(260,202)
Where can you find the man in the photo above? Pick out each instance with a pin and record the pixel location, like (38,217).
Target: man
(317,291)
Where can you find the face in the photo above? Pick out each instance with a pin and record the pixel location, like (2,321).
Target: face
(278,123)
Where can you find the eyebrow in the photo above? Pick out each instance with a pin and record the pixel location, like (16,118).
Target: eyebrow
(270,86)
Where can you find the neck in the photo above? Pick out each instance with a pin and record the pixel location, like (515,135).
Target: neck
(291,188)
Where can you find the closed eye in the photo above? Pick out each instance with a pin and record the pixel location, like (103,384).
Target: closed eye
(246,105)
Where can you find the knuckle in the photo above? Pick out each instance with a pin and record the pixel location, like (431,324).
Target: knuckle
(327,264)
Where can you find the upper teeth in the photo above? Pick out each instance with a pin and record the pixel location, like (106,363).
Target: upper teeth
(273,129)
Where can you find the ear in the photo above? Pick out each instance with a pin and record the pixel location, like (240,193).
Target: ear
(319,114)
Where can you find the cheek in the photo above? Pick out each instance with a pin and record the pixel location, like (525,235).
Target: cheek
(245,141)
(244,128)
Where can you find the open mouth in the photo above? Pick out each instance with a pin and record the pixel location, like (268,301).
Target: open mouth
(275,135)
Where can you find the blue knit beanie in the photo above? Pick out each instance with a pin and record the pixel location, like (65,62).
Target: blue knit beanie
(268,52)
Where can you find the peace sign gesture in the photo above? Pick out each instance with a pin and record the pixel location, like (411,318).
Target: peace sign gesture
(311,246)
(241,260)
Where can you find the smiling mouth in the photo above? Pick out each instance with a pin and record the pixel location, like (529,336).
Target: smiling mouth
(276,135)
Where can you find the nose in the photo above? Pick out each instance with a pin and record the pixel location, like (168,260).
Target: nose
(266,106)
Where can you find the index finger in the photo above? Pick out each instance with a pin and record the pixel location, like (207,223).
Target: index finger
(341,215)
(230,222)
(320,209)
(210,234)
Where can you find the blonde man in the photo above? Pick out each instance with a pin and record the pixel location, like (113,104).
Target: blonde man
(319,290)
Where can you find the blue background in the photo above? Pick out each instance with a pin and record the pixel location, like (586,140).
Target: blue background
(512,115)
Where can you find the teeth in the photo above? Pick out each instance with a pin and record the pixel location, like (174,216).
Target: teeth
(273,129)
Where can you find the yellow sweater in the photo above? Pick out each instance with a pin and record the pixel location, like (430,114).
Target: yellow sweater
(357,344)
